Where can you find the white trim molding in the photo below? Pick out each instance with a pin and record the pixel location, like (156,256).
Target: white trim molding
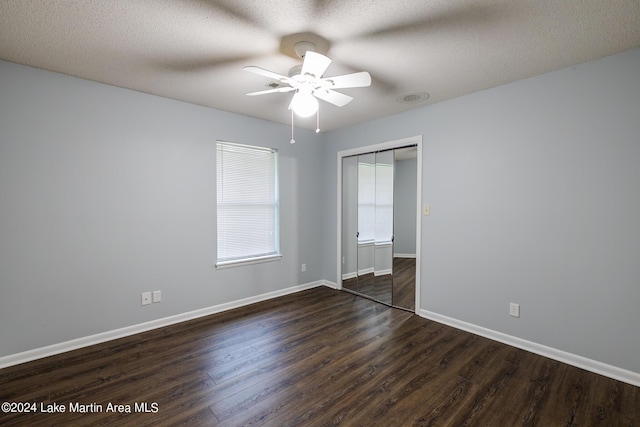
(331,285)
(550,352)
(404,256)
(50,350)
(347,276)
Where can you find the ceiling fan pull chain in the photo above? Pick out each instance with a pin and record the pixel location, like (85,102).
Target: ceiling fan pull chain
(293,141)
(318,121)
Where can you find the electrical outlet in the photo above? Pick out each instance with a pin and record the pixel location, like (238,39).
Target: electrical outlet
(146,298)
(157,296)
(304,267)
(514,310)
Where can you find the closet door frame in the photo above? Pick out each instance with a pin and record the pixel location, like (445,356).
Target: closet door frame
(398,143)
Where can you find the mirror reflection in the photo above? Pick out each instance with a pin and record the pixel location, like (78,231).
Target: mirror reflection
(378,201)
(350,223)
(404,220)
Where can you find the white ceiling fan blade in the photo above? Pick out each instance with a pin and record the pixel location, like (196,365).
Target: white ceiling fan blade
(315,64)
(361,79)
(274,90)
(333,97)
(267,73)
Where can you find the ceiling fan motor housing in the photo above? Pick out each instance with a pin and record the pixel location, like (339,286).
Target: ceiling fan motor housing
(295,70)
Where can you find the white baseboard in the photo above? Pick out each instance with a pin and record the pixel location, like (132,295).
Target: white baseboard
(382,272)
(376,273)
(404,255)
(331,285)
(347,276)
(550,352)
(50,350)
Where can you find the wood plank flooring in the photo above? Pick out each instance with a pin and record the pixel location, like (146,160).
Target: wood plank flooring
(404,283)
(398,290)
(316,358)
(379,288)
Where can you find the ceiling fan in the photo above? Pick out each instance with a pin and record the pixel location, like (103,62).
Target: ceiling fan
(307,81)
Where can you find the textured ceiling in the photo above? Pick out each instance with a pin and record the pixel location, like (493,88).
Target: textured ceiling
(194,50)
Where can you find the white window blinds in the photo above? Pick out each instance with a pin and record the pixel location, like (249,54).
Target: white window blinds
(366,202)
(384,203)
(247,199)
(375,202)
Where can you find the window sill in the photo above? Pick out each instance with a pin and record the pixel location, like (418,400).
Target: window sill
(247,261)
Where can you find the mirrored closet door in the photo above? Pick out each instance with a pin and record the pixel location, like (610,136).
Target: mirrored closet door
(378,225)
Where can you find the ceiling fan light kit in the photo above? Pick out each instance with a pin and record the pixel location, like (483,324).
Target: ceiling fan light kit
(303,103)
(308,84)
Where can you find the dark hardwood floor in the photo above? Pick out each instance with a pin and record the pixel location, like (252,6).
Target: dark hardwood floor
(379,288)
(404,283)
(316,358)
(398,290)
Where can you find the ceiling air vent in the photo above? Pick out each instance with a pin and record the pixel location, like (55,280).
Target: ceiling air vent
(412,98)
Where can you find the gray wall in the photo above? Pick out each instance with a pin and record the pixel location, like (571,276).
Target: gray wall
(534,197)
(404,207)
(106,193)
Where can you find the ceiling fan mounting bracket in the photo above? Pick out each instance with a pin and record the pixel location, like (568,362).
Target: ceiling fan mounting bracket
(302,47)
(292,44)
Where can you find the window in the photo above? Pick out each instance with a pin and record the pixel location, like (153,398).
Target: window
(384,203)
(366,202)
(375,201)
(247,200)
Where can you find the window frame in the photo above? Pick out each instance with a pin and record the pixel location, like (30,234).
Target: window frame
(251,259)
